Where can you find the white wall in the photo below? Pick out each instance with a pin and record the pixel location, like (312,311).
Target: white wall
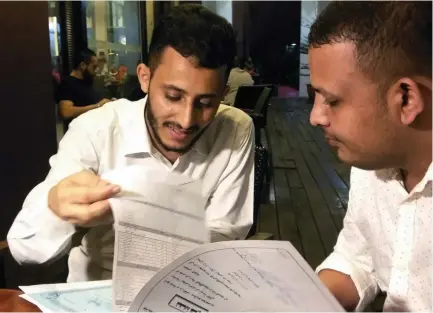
(222,8)
(309,12)
(308,16)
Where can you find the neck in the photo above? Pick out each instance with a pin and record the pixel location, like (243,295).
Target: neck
(77,74)
(417,162)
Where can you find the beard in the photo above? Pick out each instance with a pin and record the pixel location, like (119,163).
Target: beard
(88,78)
(152,123)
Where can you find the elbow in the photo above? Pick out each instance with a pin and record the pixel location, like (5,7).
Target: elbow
(229,232)
(65,113)
(23,254)
(27,252)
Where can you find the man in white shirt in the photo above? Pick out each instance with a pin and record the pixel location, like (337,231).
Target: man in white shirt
(179,126)
(238,77)
(371,68)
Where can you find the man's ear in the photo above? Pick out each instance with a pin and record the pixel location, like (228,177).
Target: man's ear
(143,74)
(406,100)
(83,66)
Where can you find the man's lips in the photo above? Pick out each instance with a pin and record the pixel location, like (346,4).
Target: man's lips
(178,134)
(332,141)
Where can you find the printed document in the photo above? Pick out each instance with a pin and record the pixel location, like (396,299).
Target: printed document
(237,276)
(158,217)
(72,297)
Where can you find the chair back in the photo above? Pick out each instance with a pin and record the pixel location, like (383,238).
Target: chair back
(247,96)
(260,168)
(262,100)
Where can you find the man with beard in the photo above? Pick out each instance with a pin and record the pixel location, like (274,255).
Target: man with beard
(76,94)
(179,126)
(371,68)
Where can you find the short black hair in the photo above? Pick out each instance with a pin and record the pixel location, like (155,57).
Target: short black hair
(393,39)
(194,31)
(241,63)
(83,55)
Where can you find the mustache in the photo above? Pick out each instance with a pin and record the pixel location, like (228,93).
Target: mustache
(179,128)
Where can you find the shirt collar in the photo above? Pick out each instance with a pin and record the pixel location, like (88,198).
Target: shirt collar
(136,135)
(428,177)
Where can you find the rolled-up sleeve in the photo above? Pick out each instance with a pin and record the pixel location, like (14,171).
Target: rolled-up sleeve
(351,254)
(37,235)
(230,212)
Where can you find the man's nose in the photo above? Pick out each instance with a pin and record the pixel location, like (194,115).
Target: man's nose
(187,116)
(319,114)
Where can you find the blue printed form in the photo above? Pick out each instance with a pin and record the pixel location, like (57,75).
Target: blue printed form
(78,298)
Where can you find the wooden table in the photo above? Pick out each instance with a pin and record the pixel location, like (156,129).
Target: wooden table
(10,301)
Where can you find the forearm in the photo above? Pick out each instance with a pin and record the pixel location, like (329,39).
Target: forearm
(71,112)
(342,287)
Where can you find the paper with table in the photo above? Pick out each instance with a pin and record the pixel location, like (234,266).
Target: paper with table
(159,216)
(163,263)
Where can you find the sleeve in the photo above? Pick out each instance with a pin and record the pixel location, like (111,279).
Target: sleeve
(230,212)
(250,79)
(37,235)
(64,92)
(351,254)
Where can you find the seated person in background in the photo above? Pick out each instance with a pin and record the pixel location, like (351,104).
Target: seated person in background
(238,77)
(76,93)
(179,126)
(102,68)
(371,68)
(122,73)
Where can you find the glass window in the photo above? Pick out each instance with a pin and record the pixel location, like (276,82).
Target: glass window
(113,32)
(56,58)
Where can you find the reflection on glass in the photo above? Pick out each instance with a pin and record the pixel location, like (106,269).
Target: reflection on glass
(113,32)
(56,59)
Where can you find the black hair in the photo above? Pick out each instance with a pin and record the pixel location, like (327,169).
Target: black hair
(393,39)
(194,31)
(83,55)
(242,63)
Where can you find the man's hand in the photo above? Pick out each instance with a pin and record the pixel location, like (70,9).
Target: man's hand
(342,287)
(102,102)
(82,199)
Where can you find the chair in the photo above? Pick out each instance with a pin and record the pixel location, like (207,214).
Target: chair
(260,168)
(264,96)
(260,111)
(247,96)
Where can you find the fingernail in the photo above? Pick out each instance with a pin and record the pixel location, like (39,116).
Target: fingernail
(115,188)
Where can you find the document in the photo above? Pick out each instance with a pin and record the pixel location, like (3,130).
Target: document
(237,276)
(72,297)
(158,217)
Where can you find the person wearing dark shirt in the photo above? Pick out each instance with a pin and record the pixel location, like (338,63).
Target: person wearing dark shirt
(76,93)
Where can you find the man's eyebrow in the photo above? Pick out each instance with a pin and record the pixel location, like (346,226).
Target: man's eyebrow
(324,92)
(175,88)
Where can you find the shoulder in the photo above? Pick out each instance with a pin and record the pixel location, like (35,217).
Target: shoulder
(231,128)
(368,177)
(67,81)
(232,118)
(111,116)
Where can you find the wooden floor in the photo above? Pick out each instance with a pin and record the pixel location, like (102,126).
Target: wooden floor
(308,189)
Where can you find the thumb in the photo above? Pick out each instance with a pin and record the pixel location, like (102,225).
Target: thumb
(88,195)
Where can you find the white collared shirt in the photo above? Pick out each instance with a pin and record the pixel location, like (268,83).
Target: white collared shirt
(115,136)
(386,241)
